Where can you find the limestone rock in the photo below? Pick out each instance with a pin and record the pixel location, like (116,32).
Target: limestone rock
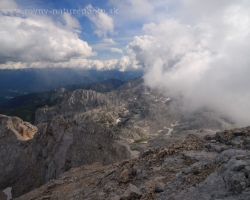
(55,148)
(159,187)
(124,177)
(198,173)
(132,193)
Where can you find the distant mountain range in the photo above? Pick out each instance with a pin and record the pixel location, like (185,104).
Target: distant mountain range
(25,106)
(15,83)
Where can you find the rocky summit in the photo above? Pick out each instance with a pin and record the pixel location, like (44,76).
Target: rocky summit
(212,167)
(132,142)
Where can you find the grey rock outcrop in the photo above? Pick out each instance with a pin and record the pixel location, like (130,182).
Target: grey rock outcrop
(190,169)
(59,94)
(226,176)
(32,156)
(132,192)
(134,112)
(230,179)
(77,102)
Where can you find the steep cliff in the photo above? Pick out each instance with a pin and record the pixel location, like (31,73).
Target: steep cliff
(32,156)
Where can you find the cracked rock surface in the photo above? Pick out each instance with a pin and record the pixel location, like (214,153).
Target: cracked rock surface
(190,168)
(31,156)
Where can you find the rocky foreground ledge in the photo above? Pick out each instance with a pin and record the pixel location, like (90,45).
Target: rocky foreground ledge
(213,167)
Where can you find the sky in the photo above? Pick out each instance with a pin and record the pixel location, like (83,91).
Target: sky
(86,34)
(195,50)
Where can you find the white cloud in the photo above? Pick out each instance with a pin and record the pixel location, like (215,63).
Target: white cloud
(71,22)
(132,12)
(102,23)
(123,64)
(109,41)
(8,4)
(131,9)
(203,59)
(116,50)
(105,44)
(39,38)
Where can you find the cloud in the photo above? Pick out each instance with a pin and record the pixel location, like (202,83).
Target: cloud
(8,4)
(132,13)
(130,9)
(105,44)
(202,59)
(102,23)
(71,22)
(116,50)
(123,64)
(109,41)
(38,38)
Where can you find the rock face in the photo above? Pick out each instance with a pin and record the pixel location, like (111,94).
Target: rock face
(191,168)
(59,94)
(88,127)
(133,111)
(13,127)
(32,156)
(224,177)
(130,111)
(81,101)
